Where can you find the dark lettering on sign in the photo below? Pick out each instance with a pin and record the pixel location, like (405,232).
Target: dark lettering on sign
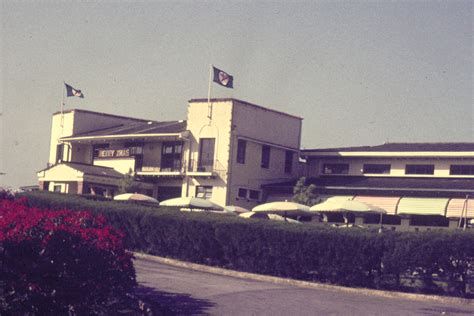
(114,153)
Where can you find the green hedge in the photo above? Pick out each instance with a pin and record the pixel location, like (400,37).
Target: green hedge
(433,262)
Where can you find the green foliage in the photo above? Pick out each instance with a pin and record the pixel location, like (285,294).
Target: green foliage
(128,184)
(316,253)
(304,194)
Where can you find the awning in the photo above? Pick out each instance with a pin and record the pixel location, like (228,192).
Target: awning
(422,206)
(387,203)
(455,208)
(328,202)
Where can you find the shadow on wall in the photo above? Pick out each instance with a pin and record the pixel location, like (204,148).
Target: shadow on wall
(165,303)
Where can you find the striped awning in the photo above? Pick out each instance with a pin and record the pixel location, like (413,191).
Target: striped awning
(423,206)
(455,208)
(387,203)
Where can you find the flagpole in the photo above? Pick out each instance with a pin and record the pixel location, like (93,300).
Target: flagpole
(209,105)
(62,106)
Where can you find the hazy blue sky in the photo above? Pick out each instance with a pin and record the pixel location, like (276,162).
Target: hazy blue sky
(359,73)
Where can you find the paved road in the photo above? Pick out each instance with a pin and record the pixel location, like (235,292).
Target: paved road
(192,292)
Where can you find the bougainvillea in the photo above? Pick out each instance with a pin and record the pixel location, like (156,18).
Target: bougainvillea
(60,262)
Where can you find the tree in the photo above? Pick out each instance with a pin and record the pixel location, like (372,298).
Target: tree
(304,194)
(128,184)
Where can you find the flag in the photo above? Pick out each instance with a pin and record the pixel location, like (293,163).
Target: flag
(223,78)
(71,92)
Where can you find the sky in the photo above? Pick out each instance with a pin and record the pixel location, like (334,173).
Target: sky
(358,72)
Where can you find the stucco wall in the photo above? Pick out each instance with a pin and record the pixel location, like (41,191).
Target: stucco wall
(442,166)
(200,126)
(267,125)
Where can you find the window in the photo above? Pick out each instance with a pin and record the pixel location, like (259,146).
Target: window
(59,153)
(242,193)
(206,154)
(57,188)
(204,192)
(336,168)
(254,194)
(288,161)
(265,162)
(456,170)
(419,169)
(376,168)
(171,156)
(241,146)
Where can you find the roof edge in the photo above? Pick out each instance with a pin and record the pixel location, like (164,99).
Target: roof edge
(103,114)
(202,100)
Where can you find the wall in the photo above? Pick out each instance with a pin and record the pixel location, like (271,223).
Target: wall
(152,154)
(121,165)
(267,125)
(260,127)
(79,121)
(200,126)
(397,166)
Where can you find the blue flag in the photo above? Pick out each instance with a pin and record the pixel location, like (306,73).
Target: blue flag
(223,78)
(71,92)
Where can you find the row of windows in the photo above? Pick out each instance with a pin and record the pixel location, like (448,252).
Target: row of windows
(205,192)
(343,168)
(249,194)
(265,157)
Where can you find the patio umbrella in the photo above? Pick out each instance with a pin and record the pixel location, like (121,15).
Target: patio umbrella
(135,197)
(274,217)
(191,203)
(348,206)
(236,209)
(285,208)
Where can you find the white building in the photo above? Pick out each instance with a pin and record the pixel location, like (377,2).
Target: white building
(238,153)
(225,151)
(434,179)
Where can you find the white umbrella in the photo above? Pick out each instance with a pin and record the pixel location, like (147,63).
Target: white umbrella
(236,209)
(191,203)
(135,197)
(285,208)
(348,206)
(274,217)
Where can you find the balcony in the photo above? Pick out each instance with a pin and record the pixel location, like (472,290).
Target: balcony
(173,168)
(209,169)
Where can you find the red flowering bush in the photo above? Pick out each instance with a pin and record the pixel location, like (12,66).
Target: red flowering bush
(60,262)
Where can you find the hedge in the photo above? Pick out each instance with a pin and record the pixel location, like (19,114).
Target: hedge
(429,262)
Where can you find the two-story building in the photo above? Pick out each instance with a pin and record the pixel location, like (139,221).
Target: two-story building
(225,150)
(400,178)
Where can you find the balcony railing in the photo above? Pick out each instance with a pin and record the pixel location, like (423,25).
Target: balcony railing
(199,168)
(173,168)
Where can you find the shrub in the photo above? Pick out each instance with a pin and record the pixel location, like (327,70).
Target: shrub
(60,262)
(342,256)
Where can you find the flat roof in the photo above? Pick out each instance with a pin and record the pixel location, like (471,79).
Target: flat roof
(89,169)
(450,186)
(243,102)
(401,147)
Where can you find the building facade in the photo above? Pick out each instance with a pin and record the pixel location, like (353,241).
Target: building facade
(238,153)
(427,179)
(225,150)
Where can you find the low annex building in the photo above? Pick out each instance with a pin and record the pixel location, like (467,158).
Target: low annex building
(400,178)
